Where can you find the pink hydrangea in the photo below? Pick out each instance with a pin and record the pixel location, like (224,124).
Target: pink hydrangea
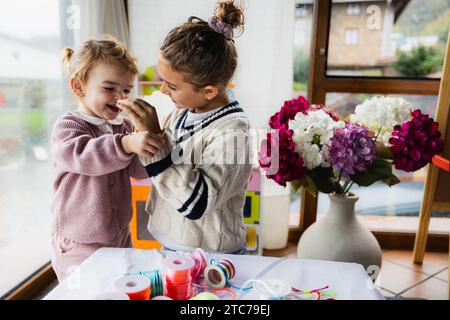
(415,142)
(288,112)
(290,163)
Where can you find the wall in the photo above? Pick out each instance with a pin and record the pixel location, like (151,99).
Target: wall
(265,71)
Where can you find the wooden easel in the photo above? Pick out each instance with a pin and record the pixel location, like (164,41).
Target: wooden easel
(436,194)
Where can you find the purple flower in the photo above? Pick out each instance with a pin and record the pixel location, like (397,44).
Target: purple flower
(352,150)
(288,112)
(290,163)
(415,142)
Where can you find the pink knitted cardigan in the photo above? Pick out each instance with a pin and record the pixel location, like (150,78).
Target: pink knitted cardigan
(92,200)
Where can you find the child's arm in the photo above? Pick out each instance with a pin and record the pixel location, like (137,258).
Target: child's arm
(141,143)
(144,115)
(74,150)
(196,192)
(136,169)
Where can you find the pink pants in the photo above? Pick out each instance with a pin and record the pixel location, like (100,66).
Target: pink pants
(67,254)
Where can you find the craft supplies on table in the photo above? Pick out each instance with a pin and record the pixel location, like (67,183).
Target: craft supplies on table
(344,280)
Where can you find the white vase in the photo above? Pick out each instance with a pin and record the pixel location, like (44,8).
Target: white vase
(275,204)
(340,236)
(275,221)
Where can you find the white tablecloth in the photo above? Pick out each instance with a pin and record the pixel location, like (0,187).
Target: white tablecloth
(97,274)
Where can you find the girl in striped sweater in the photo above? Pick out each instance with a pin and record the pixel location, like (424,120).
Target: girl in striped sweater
(200,174)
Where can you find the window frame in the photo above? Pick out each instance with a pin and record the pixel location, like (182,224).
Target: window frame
(29,288)
(320,84)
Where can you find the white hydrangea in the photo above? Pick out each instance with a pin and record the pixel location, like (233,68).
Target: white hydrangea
(312,136)
(384,112)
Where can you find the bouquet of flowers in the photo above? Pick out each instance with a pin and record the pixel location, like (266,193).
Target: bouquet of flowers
(311,147)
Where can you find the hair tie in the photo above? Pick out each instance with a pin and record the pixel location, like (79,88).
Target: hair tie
(221,27)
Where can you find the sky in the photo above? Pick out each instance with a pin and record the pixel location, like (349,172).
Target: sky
(28,18)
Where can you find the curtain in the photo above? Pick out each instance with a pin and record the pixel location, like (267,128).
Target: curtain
(98,17)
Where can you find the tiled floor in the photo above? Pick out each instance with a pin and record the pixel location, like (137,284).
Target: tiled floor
(399,276)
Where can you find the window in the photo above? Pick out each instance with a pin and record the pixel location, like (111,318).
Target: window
(403,199)
(343,87)
(396,208)
(353,9)
(351,36)
(32,96)
(302,46)
(395,38)
(301,10)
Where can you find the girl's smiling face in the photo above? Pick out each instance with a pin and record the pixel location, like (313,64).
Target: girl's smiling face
(106,84)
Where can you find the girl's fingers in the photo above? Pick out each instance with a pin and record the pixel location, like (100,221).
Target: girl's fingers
(144,104)
(122,107)
(125,108)
(132,105)
(150,149)
(154,143)
(134,116)
(148,154)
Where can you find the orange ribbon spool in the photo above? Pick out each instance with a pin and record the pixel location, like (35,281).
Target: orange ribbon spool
(137,287)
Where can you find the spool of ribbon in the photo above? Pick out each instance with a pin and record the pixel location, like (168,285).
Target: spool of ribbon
(113,295)
(219,273)
(137,287)
(156,282)
(178,276)
(161,298)
(200,262)
(225,294)
(205,296)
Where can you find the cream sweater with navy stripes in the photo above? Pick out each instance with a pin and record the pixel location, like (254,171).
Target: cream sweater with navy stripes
(199,180)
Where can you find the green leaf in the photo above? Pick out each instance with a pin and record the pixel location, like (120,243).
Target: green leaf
(306,183)
(385,153)
(309,186)
(295,185)
(321,177)
(380,170)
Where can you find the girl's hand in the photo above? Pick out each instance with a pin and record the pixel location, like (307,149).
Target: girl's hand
(144,115)
(142,143)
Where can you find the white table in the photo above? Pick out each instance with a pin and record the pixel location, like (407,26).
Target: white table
(97,274)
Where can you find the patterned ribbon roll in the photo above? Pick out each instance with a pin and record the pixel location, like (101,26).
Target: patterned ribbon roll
(219,273)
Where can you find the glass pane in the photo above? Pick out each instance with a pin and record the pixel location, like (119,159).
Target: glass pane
(31,98)
(403,199)
(302,46)
(388,38)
